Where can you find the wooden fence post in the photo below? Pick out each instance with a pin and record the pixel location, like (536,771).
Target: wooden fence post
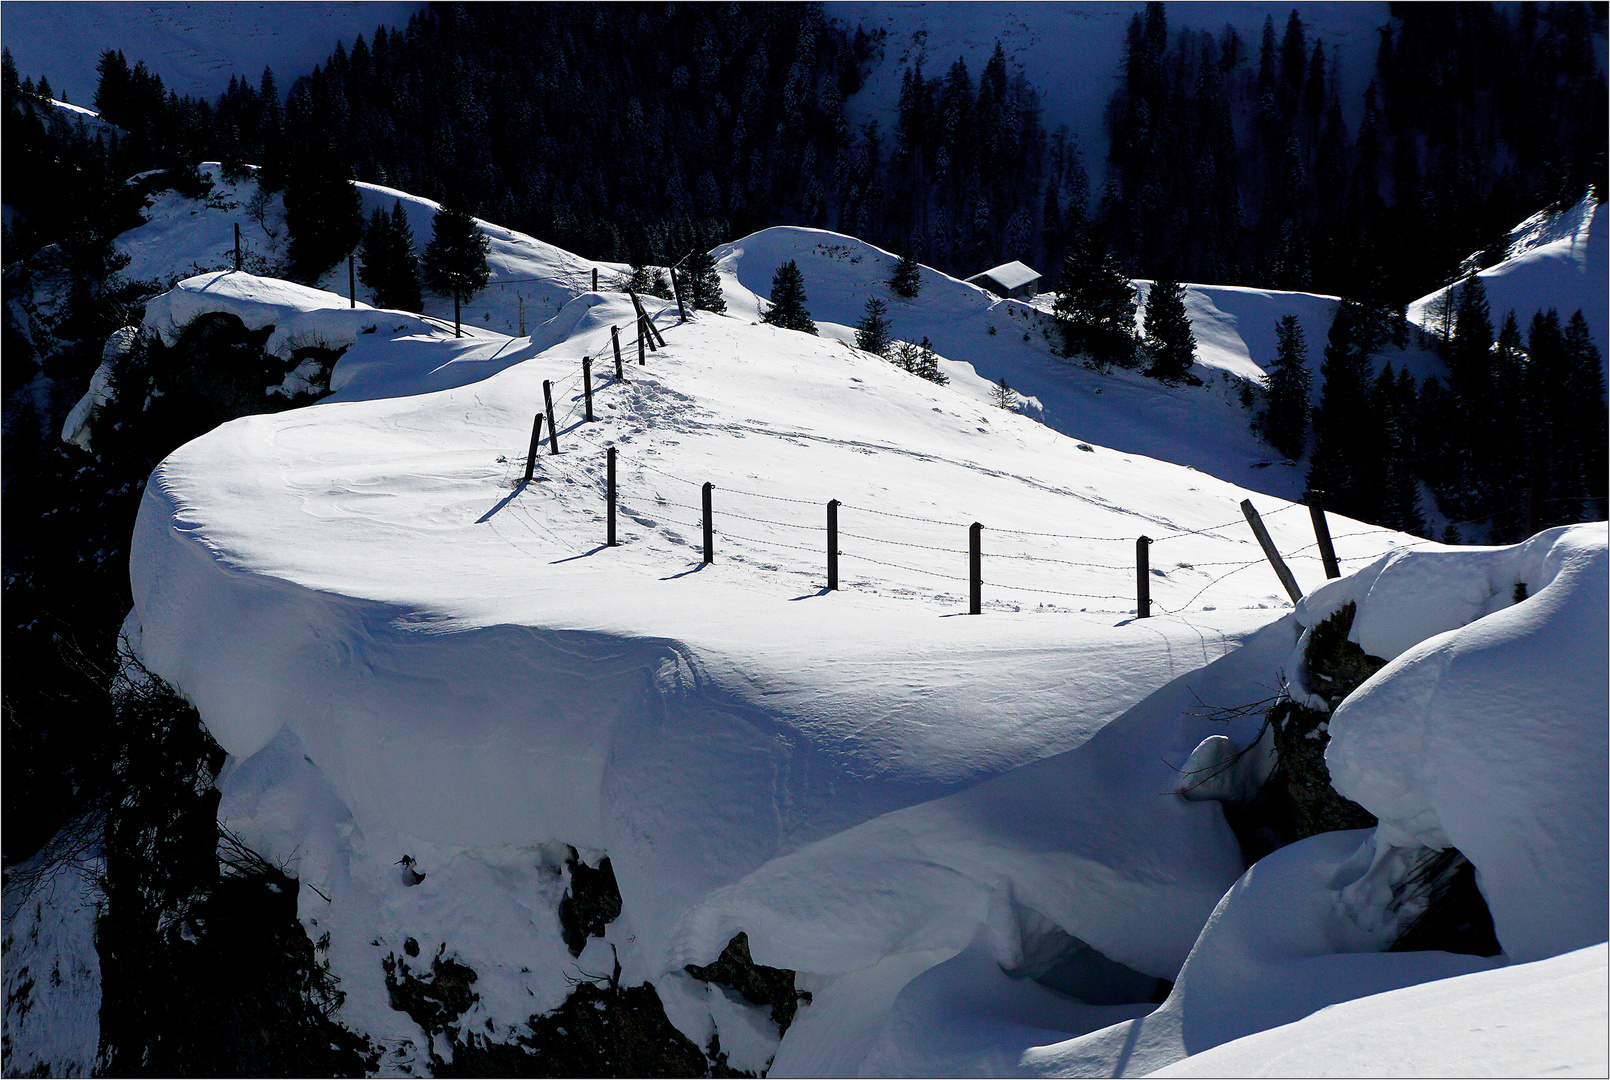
(1268,546)
(709,525)
(522,316)
(676,287)
(237,245)
(615,340)
(1327,553)
(975,569)
(595,279)
(352,283)
(833,545)
(642,358)
(531,455)
(587,384)
(645,321)
(1143,578)
(610,498)
(553,429)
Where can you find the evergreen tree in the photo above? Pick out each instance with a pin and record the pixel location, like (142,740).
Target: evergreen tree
(1004,396)
(1168,333)
(387,265)
(788,300)
(703,282)
(1095,306)
(1285,421)
(927,364)
(455,258)
(907,279)
(1399,491)
(323,215)
(1347,447)
(872,332)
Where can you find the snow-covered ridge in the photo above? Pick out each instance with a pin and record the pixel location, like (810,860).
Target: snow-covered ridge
(1555,260)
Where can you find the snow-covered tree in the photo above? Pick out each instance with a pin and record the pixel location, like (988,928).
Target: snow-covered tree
(907,279)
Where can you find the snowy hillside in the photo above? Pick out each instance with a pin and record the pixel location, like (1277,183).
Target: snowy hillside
(1555,261)
(194,47)
(956,831)
(1070,52)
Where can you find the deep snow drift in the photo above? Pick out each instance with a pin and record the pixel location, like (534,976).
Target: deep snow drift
(946,825)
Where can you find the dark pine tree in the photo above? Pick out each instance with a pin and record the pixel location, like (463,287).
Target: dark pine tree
(907,279)
(387,265)
(872,332)
(323,215)
(1095,306)
(455,258)
(1285,421)
(788,300)
(1347,447)
(703,282)
(1169,339)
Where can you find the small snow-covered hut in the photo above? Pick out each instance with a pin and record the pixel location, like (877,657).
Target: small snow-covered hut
(1009,279)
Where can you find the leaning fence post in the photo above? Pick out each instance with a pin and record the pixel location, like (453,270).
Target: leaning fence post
(975,568)
(587,384)
(531,455)
(676,287)
(833,545)
(610,499)
(1268,546)
(1327,553)
(352,284)
(615,340)
(1143,578)
(553,429)
(709,526)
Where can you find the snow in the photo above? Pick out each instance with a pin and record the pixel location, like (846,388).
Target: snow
(1491,738)
(406,653)
(1556,261)
(1007,276)
(52,972)
(1545,1018)
(194,47)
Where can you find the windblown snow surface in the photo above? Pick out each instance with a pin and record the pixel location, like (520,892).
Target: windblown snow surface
(961,832)
(958,830)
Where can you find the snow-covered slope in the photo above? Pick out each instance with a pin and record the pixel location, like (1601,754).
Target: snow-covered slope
(986,338)
(194,47)
(407,652)
(1071,52)
(1555,261)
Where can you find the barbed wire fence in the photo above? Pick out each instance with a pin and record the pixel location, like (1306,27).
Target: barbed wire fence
(772,530)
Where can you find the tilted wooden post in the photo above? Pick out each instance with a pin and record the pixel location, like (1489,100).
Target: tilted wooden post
(531,455)
(645,321)
(352,284)
(610,498)
(553,429)
(709,526)
(1327,553)
(587,384)
(615,340)
(1143,578)
(676,287)
(1268,546)
(975,569)
(833,545)
(237,245)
